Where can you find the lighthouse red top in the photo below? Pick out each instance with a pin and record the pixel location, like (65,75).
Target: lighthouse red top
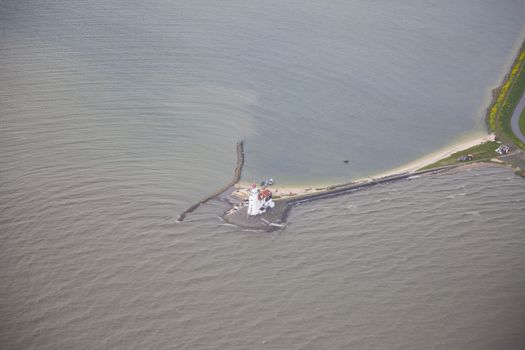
(264,194)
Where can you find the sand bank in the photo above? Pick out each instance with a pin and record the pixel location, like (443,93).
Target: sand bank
(292,191)
(438,155)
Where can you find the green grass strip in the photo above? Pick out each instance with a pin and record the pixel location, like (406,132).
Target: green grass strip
(522,121)
(505,100)
(484,151)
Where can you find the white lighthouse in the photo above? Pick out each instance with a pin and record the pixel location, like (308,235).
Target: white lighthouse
(259,201)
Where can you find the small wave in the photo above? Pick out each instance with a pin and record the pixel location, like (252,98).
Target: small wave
(453,196)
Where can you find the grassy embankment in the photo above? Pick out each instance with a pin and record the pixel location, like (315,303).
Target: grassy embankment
(522,121)
(499,114)
(482,152)
(506,97)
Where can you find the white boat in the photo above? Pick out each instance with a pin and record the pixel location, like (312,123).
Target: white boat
(268,182)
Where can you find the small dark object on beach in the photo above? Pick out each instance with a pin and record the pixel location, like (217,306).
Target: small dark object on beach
(466,158)
(346,161)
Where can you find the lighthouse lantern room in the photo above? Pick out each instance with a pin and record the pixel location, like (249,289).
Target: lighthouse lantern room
(259,201)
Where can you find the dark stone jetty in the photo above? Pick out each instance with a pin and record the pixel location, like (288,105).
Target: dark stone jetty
(236,178)
(276,217)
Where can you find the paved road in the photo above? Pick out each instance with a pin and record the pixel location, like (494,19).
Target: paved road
(514,121)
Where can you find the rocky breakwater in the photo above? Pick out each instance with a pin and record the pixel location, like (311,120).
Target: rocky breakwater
(276,218)
(236,178)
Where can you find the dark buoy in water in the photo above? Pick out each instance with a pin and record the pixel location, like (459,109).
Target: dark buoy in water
(346,161)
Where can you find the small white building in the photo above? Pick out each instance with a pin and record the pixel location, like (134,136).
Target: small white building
(502,149)
(259,201)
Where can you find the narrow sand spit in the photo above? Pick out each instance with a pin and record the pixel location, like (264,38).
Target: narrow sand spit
(437,155)
(290,191)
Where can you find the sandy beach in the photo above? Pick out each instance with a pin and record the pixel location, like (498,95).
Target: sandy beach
(437,155)
(290,191)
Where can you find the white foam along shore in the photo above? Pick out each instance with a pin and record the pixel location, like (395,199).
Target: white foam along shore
(290,191)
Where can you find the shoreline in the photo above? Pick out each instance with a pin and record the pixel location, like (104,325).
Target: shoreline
(493,108)
(291,191)
(288,195)
(505,98)
(276,218)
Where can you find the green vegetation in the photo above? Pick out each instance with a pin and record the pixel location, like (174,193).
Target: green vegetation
(522,121)
(484,151)
(499,115)
(506,98)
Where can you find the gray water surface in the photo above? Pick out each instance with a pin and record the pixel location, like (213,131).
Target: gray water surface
(116,116)
(305,84)
(435,262)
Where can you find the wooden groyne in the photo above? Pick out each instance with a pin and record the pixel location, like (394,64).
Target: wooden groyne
(236,178)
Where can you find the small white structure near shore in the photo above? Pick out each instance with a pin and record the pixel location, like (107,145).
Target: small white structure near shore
(259,201)
(502,150)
